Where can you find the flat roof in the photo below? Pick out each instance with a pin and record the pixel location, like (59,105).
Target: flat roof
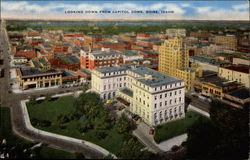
(85,71)
(32,72)
(112,69)
(220,82)
(242,93)
(127,92)
(239,68)
(66,73)
(158,79)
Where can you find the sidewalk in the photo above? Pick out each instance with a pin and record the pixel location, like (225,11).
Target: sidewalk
(193,108)
(168,144)
(57,136)
(142,133)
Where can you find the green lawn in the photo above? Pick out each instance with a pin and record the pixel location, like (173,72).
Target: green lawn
(175,128)
(49,110)
(12,140)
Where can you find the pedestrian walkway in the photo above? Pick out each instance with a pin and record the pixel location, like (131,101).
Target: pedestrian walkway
(57,136)
(168,144)
(142,133)
(193,108)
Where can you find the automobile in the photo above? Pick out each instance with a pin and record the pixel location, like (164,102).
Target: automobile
(151,131)
(114,102)
(175,148)
(108,101)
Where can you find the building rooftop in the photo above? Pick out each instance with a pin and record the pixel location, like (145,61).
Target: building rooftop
(153,78)
(66,73)
(129,52)
(32,72)
(127,92)
(85,72)
(207,60)
(105,52)
(239,68)
(69,59)
(242,93)
(113,69)
(220,82)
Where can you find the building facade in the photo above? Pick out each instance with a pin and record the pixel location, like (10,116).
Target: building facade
(174,61)
(227,41)
(155,97)
(238,73)
(33,78)
(176,32)
(100,58)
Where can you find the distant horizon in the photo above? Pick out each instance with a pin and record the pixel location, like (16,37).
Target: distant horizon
(132,20)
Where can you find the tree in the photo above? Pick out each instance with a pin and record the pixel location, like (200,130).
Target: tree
(131,149)
(225,136)
(202,138)
(123,124)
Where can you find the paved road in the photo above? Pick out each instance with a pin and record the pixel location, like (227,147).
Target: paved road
(13,101)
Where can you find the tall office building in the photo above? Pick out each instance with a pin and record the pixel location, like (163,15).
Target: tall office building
(174,61)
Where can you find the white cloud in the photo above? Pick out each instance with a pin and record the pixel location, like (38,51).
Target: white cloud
(51,10)
(241,6)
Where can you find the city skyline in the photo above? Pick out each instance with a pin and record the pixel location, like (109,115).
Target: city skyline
(190,10)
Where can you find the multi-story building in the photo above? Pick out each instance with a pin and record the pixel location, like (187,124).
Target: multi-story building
(216,87)
(227,41)
(176,32)
(238,73)
(33,78)
(155,97)
(107,80)
(100,58)
(174,61)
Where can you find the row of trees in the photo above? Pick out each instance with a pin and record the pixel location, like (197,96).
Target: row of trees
(224,136)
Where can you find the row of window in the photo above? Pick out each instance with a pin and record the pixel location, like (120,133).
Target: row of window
(118,85)
(114,73)
(168,113)
(115,79)
(170,102)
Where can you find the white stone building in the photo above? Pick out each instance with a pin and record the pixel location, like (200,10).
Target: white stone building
(155,97)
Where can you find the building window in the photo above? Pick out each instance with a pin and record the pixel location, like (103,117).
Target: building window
(165,103)
(180,99)
(155,97)
(165,94)
(104,87)
(155,105)
(170,101)
(170,94)
(175,92)
(160,96)
(160,104)
(179,91)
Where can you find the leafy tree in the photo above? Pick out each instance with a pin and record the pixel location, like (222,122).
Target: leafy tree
(131,149)
(224,137)
(123,124)
(202,138)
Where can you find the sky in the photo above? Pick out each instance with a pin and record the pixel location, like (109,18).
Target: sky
(182,10)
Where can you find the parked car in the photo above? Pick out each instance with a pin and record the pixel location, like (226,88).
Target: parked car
(151,131)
